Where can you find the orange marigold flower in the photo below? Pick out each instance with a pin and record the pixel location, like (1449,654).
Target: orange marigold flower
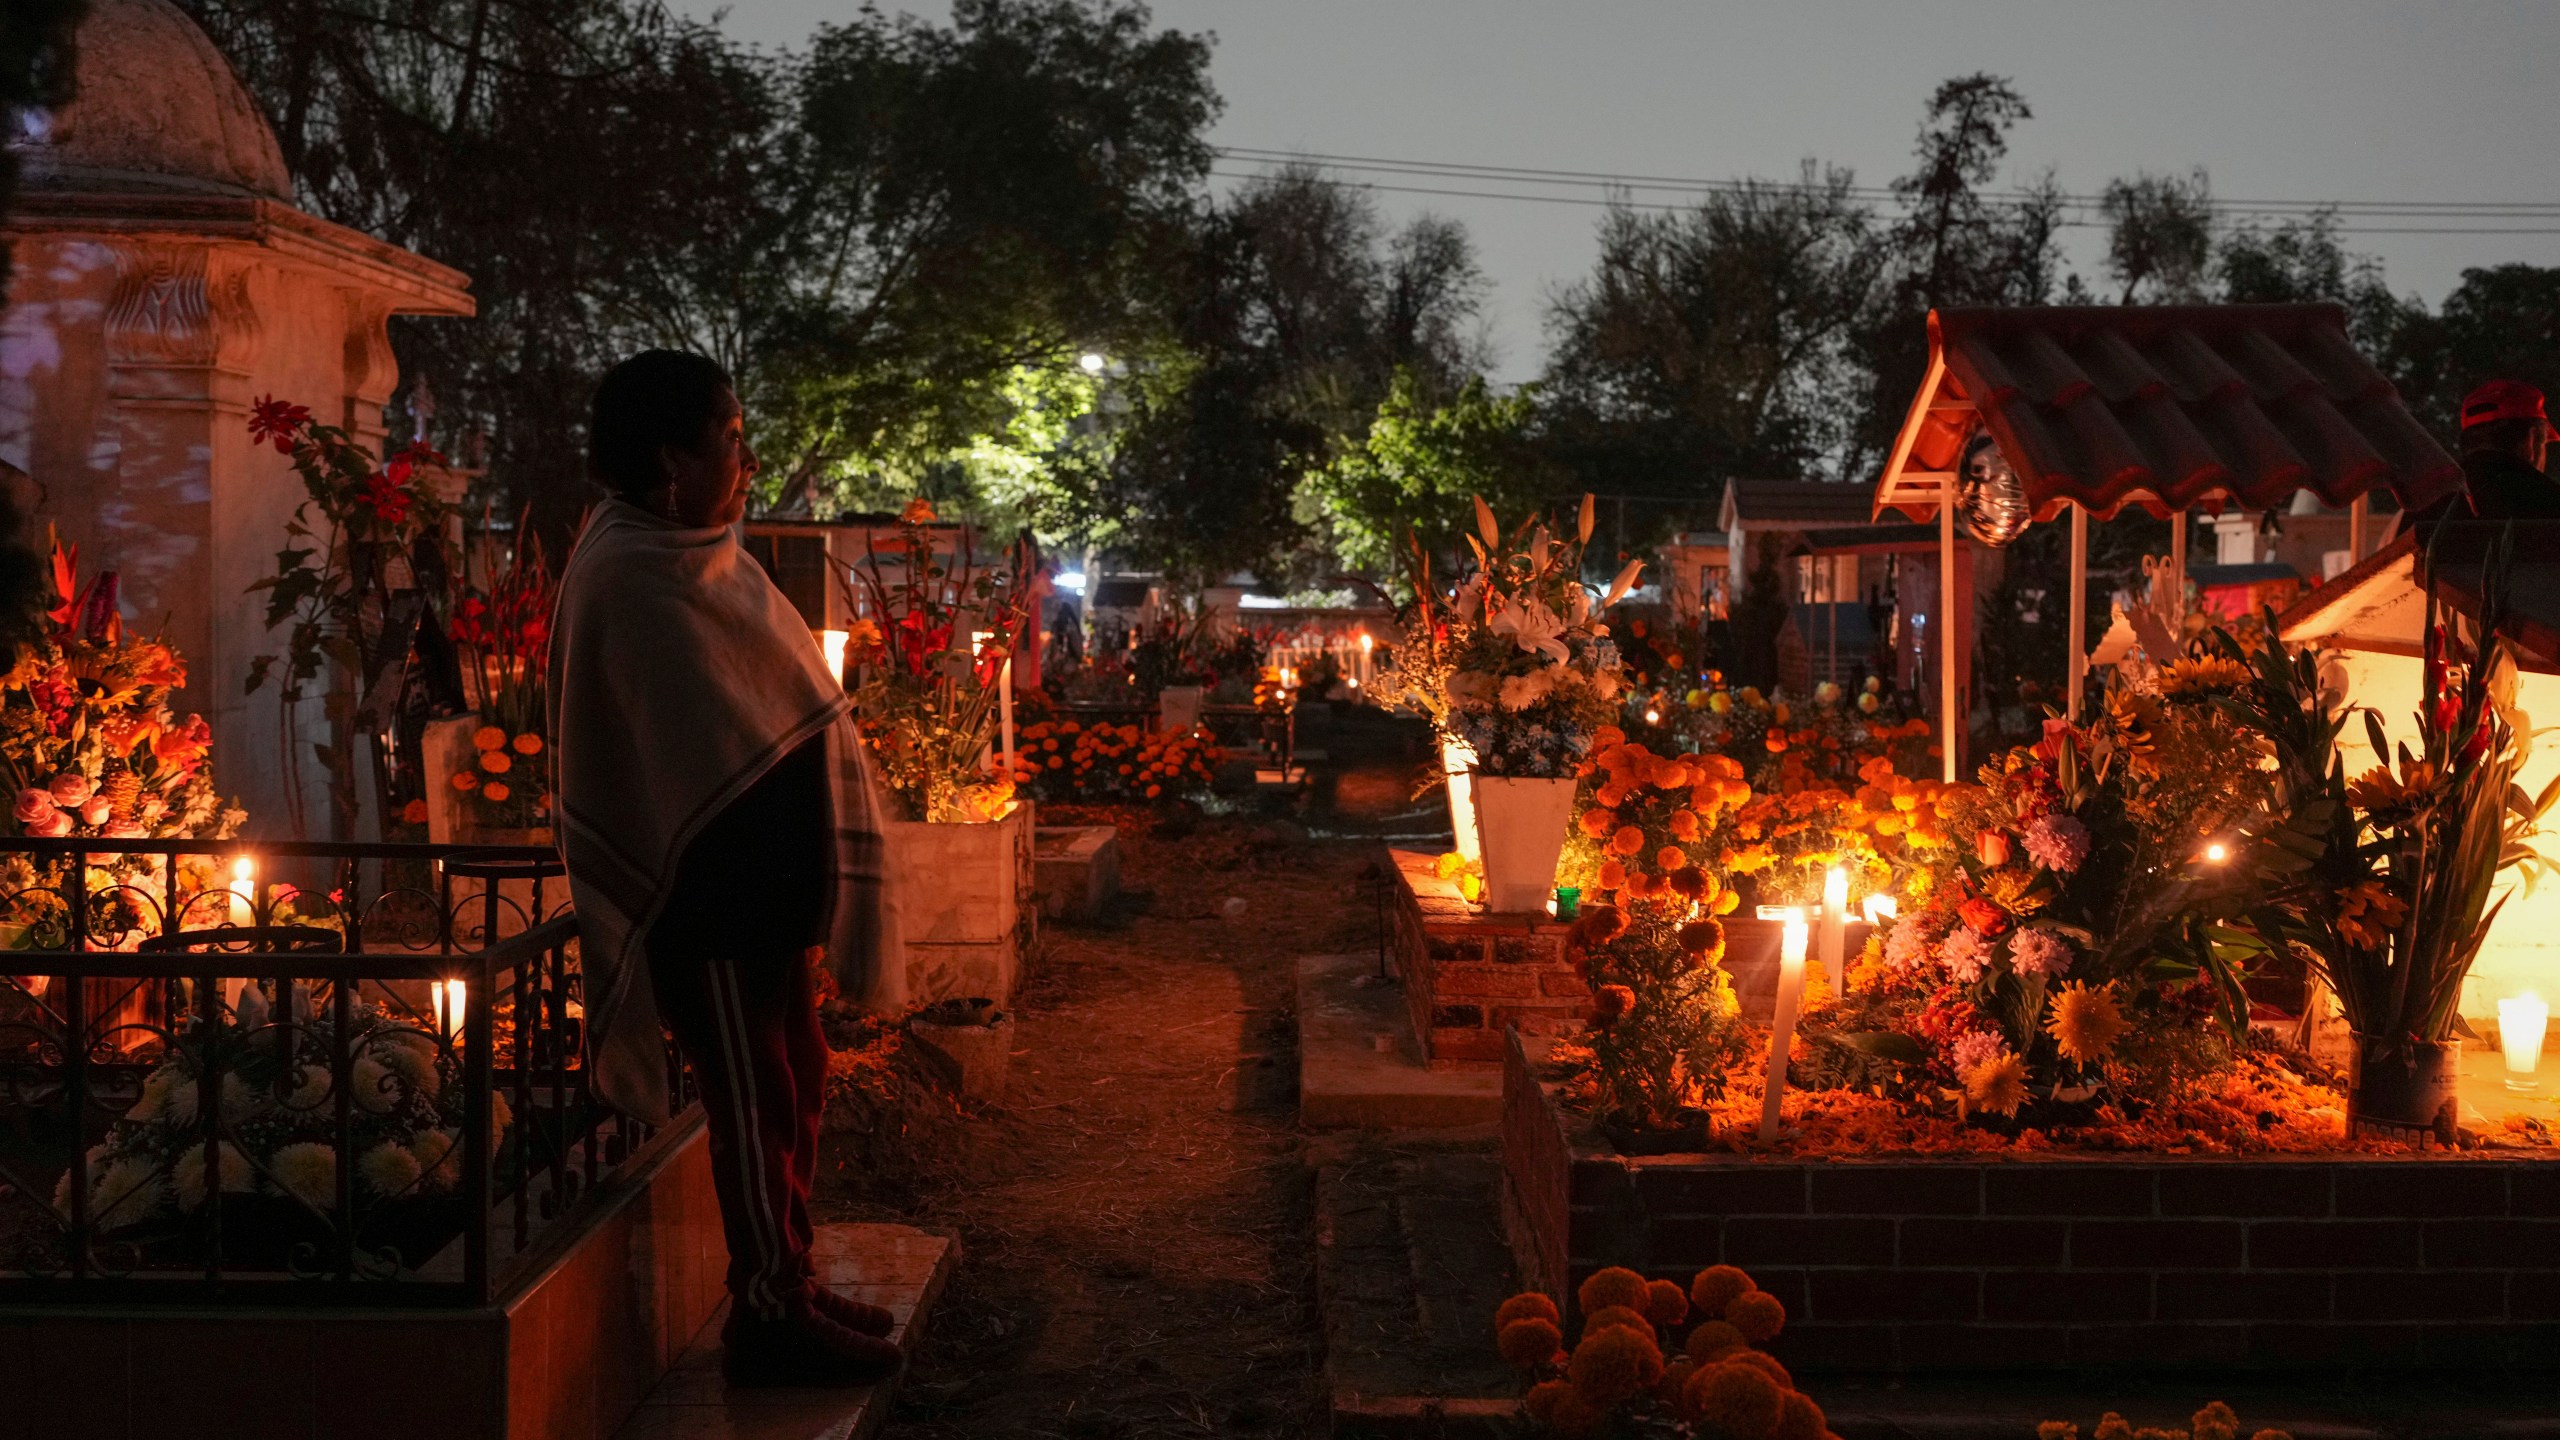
(414,813)
(1718,1286)
(1736,1400)
(1800,1419)
(1608,1315)
(465,780)
(1627,841)
(1613,875)
(1598,822)
(1758,1314)
(496,762)
(1665,1304)
(1670,857)
(1527,1305)
(1684,825)
(1614,1364)
(1616,1285)
(1541,1400)
(528,744)
(1576,1417)
(1713,1340)
(1529,1343)
(1767,1364)
(1609,1004)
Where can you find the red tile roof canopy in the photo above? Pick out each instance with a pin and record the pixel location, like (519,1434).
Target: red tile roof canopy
(2171,407)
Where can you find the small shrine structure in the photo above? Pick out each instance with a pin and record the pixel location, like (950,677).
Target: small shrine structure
(165,279)
(2028,412)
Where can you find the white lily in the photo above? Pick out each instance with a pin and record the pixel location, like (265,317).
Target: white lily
(1625,582)
(1484,524)
(1582,527)
(1532,626)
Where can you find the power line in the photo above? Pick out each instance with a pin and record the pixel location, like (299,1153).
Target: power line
(1596,202)
(2452,210)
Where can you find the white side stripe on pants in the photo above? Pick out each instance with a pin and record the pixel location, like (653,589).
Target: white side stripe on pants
(728,1019)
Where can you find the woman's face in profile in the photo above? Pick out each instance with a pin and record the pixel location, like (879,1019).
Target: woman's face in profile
(708,483)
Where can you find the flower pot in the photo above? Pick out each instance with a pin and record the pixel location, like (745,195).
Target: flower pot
(1457,763)
(976,1038)
(1521,824)
(2405,1088)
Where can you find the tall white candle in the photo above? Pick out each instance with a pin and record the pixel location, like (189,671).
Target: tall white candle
(1835,928)
(1782,1026)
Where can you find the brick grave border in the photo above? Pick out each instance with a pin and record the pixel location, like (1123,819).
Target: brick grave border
(2447,1262)
(1471,974)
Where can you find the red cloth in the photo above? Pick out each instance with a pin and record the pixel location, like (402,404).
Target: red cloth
(748,1023)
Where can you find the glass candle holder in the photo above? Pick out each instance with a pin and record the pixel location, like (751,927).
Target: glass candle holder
(2522,1022)
(1568,901)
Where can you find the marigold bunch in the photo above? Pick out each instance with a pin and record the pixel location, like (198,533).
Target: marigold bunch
(1635,1365)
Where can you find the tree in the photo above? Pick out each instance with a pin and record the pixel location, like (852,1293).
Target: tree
(35,73)
(1713,341)
(1418,469)
(2501,323)
(2159,237)
(1953,245)
(1289,316)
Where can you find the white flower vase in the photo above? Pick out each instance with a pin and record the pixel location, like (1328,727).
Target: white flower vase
(1521,824)
(1458,764)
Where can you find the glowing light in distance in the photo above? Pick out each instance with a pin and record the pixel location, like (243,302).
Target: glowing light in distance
(1091,362)
(1071,580)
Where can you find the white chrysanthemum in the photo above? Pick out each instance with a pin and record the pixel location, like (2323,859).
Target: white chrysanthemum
(187,1174)
(131,1191)
(239,1100)
(178,1105)
(153,1103)
(416,1068)
(376,1088)
(309,1089)
(307,1171)
(439,1167)
(388,1170)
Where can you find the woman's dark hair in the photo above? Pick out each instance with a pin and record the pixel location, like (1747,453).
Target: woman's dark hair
(656,398)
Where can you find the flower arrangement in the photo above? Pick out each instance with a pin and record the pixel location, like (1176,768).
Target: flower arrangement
(1102,763)
(1658,1358)
(1516,665)
(504,635)
(278,1117)
(2382,884)
(930,662)
(1645,820)
(1665,1029)
(1784,745)
(363,549)
(88,743)
(2046,970)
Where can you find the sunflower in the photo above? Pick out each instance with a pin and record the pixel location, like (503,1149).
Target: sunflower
(1998,1084)
(2085,1022)
(2202,675)
(2379,793)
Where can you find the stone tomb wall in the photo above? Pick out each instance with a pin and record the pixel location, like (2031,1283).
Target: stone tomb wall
(2152,1262)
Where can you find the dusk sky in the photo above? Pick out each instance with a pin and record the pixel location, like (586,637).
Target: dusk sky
(2296,101)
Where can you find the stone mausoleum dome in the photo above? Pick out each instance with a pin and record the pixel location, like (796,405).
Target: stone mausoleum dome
(156,108)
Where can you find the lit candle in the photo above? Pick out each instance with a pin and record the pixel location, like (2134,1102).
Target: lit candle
(2521,1024)
(448,998)
(1880,907)
(1782,1026)
(244,891)
(1835,927)
(833,643)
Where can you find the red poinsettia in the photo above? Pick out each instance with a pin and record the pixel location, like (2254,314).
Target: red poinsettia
(386,497)
(276,421)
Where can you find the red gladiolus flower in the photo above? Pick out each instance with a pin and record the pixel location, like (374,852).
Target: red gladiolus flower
(277,421)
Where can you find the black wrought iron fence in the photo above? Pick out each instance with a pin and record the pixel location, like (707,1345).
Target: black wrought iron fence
(217,1083)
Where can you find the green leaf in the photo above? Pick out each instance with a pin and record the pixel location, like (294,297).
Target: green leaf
(2373,733)
(1890,1045)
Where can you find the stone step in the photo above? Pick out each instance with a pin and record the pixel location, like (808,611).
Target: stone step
(895,1266)
(1357,1061)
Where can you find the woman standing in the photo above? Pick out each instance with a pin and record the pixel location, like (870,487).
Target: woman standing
(716,815)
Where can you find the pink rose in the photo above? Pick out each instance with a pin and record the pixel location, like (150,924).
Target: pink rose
(70,789)
(51,827)
(97,811)
(127,830)
(33,805)
(1992,848)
